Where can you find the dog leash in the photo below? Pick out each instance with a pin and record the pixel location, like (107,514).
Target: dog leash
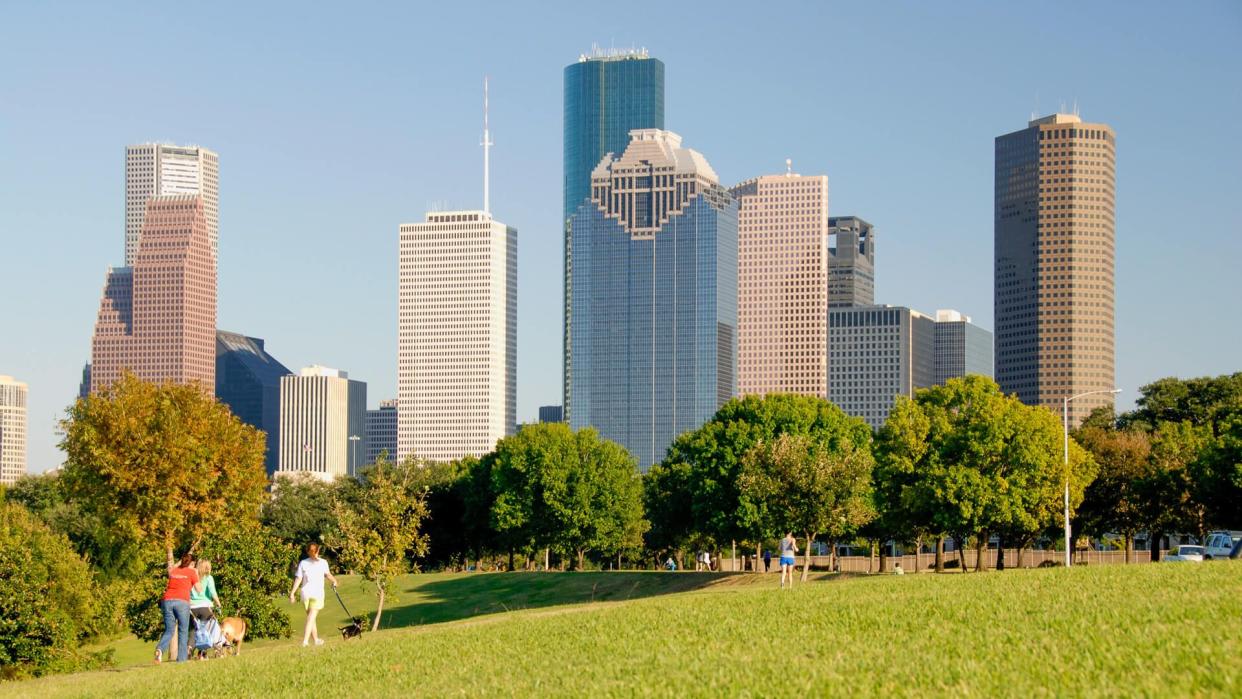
(342,603)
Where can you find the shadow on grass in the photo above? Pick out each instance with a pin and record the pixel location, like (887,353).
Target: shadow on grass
(475,594)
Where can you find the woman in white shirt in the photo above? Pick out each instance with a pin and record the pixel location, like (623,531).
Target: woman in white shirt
(310,574)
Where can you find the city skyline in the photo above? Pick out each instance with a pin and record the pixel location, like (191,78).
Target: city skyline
(283,200)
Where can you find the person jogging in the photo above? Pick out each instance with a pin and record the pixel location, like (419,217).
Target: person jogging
(789,549)
(310,574)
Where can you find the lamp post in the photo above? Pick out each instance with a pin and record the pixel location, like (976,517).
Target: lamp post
(353,467)
(1065,419)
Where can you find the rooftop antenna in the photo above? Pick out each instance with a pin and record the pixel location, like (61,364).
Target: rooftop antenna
(788,167)
(487,145)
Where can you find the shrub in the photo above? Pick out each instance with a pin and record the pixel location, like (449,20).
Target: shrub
(251,565)
(47,599)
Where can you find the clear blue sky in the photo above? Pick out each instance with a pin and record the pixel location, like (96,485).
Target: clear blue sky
(337,122)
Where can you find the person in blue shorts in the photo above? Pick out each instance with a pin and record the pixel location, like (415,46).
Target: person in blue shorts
(789,549)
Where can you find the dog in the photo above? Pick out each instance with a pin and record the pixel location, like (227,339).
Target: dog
(352,630)
(232,633)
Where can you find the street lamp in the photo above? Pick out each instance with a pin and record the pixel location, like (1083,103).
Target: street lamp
(353,467)
(1065,418)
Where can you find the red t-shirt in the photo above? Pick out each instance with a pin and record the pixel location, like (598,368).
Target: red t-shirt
(180,580)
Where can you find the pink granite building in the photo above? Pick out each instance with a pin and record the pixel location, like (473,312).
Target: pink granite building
(782,289)
(157,319)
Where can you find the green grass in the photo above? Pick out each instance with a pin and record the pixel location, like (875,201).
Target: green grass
(1142,630)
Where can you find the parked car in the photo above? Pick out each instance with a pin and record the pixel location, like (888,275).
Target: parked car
(1186,553)
(1220,544)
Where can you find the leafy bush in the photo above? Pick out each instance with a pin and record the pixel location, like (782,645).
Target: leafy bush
(250,565)
(47,599)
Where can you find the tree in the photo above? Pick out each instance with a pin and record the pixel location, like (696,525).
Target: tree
(569,491)
(380,529)
(900,446)
(709,462)
(986,464)
(299,510)
(667,501)
(1114,500)
(446,485)
(110,556)
(813,486)
(47,598)
(161,464)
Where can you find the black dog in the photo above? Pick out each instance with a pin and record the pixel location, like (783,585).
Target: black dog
(353,630)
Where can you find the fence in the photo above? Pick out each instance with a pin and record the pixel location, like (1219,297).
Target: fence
(910,563)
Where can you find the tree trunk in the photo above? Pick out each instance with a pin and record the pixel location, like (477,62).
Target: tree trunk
(981,546)
(511,568)
(758,556)
(961,552)
(875,552)
(918,549)
(1129,538)
(1153,544)
(1021,552)
(379,609)
(940,554)
(1000,553)
(581,558)
(806,565)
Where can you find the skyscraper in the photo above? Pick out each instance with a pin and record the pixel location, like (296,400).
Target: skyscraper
(248,381)
(1054,246)
(551,413)
(851,262)
(157,319)
(655,296)
(961,347)
(457,335)
(13,420)
(155,169)
(877,353)
(782,273)
(321,412)
(608,94)
(382,432)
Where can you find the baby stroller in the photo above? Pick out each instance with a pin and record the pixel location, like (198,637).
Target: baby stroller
(207,636)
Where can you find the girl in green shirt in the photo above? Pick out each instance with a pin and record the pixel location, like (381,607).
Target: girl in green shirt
(203,594)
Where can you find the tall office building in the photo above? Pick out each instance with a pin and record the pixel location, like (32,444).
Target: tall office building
(13,420)
(157,319)
(551,413)
(1054,247)
(876,353)
(157,169)
(322,411)
(961,347)
(382,432)
(655,296)
(457,335)
(248,381)
(608,94)
(851,262)
(782,291)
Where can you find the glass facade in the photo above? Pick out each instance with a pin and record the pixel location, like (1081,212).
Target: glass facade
(654,321)
(248,381)
(606,97)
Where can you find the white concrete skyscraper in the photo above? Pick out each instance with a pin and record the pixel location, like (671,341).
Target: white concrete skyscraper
(457,335)
(153,169)
(322,411)
(13,422)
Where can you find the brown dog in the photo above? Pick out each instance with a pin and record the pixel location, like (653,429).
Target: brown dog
(232,632)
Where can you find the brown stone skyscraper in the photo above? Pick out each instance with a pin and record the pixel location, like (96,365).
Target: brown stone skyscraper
(1054,252)
(157,319)
(782,285)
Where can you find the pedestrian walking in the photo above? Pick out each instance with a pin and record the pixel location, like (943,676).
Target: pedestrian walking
(176,606)
(310,574)
(767,560)
(789,549)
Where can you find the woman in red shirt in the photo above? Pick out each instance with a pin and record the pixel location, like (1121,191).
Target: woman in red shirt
(176,606)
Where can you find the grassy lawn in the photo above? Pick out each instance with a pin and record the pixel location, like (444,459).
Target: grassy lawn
(1143,630)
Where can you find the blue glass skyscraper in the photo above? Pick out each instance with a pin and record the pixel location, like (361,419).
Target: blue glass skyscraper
(654,311)
(248,381)
(607,95)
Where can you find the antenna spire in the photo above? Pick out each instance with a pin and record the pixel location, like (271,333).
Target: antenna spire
(487,145)
(788,167)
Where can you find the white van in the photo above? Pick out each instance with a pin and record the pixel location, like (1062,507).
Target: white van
(1220,544)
